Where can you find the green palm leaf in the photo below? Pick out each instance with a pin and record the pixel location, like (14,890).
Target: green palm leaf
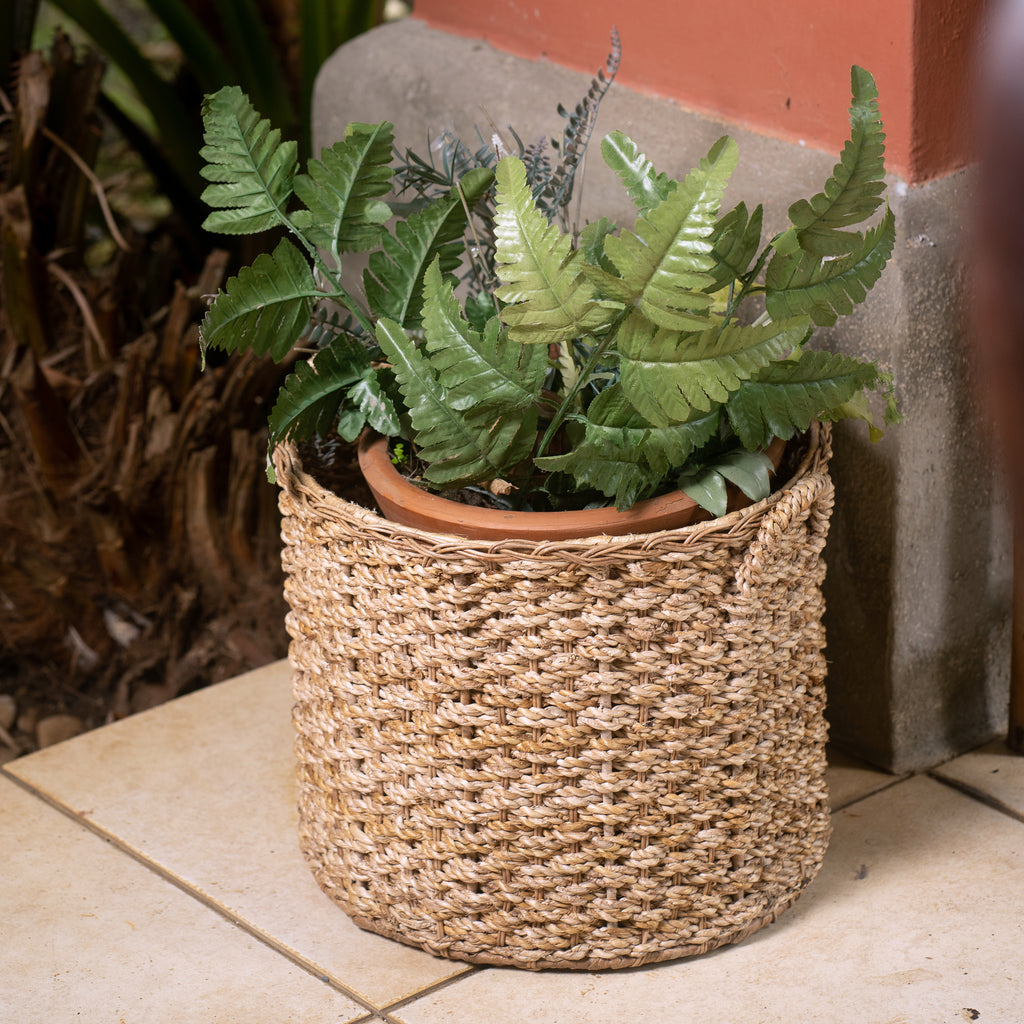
(548,299)
(394,279)
(341,190)
(787,395)
(645,186)
(265,308)
(827,289)
(853,192)
(250,166)
(459,447)
(666,263)
(476,367)
(668,376)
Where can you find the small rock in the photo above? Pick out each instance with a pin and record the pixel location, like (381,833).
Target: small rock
(8,711)
(57,728)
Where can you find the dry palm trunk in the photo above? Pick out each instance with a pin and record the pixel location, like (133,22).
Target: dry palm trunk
(138,534)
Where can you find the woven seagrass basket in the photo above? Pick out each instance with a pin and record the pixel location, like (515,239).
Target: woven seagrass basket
(579,754)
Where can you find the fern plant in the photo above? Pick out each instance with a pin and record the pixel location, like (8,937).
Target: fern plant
(605,366)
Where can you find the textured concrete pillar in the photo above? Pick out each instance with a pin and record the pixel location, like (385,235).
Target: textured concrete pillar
(919,556)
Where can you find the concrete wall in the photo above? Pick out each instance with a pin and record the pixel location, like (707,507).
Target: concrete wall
(919,557)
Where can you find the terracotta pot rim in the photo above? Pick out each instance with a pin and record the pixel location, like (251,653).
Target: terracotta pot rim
(404,502)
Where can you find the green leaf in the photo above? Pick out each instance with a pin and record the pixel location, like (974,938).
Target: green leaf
(394,279)
(666,261)
(668,376)
(477,368)
(311,395)
(708,488)
(548,299)
(622,455)
(735,242)
(266,307)
(341,190)
(173,122)
(458,447)
(250,166)
(853,191)
(751,472)
(787,395)
(643,184)
(827,289)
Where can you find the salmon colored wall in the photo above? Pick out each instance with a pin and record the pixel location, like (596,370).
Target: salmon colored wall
(780,67)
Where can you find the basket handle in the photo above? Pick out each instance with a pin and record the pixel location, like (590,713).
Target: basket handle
(795,503)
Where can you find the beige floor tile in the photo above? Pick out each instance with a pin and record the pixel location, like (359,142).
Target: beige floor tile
(204,787)
(993,770)
(850,779)
(914,919)
(90,936)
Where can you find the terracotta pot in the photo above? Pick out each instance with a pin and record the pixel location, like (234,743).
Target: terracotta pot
(403,502)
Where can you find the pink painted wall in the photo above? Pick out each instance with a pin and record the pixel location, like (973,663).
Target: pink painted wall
(780,67)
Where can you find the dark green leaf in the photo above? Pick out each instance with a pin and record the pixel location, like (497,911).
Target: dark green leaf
(250,166)
(266,307)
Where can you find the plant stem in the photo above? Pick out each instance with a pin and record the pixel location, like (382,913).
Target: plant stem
(584,375)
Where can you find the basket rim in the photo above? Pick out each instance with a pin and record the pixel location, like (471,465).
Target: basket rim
(303,488)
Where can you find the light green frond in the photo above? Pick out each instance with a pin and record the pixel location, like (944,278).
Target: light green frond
(853,191)
(666,261)
(477,367)
(668,376)
(645,186)
(250,167)
(548,299)
(266,307)
(394,279)
(342,190)
(827,289)
(787,395)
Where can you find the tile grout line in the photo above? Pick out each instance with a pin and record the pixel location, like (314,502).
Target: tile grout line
(206,901)
(976,794)
(437,986)
(867,796)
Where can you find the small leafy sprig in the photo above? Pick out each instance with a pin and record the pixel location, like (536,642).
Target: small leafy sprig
(612,363)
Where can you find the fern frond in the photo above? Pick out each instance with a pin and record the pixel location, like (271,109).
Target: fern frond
(265,308)
(825,290)
(645,186)
(250,167)
(853,192)
(341,190)
(735,242)
(787,395)
(666,263)
(667,376)
(623,456)
(459,447)
(311,395)
(548,299)
(394,279)
(477,367)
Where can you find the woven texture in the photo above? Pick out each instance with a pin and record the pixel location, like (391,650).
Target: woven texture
(582,754)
